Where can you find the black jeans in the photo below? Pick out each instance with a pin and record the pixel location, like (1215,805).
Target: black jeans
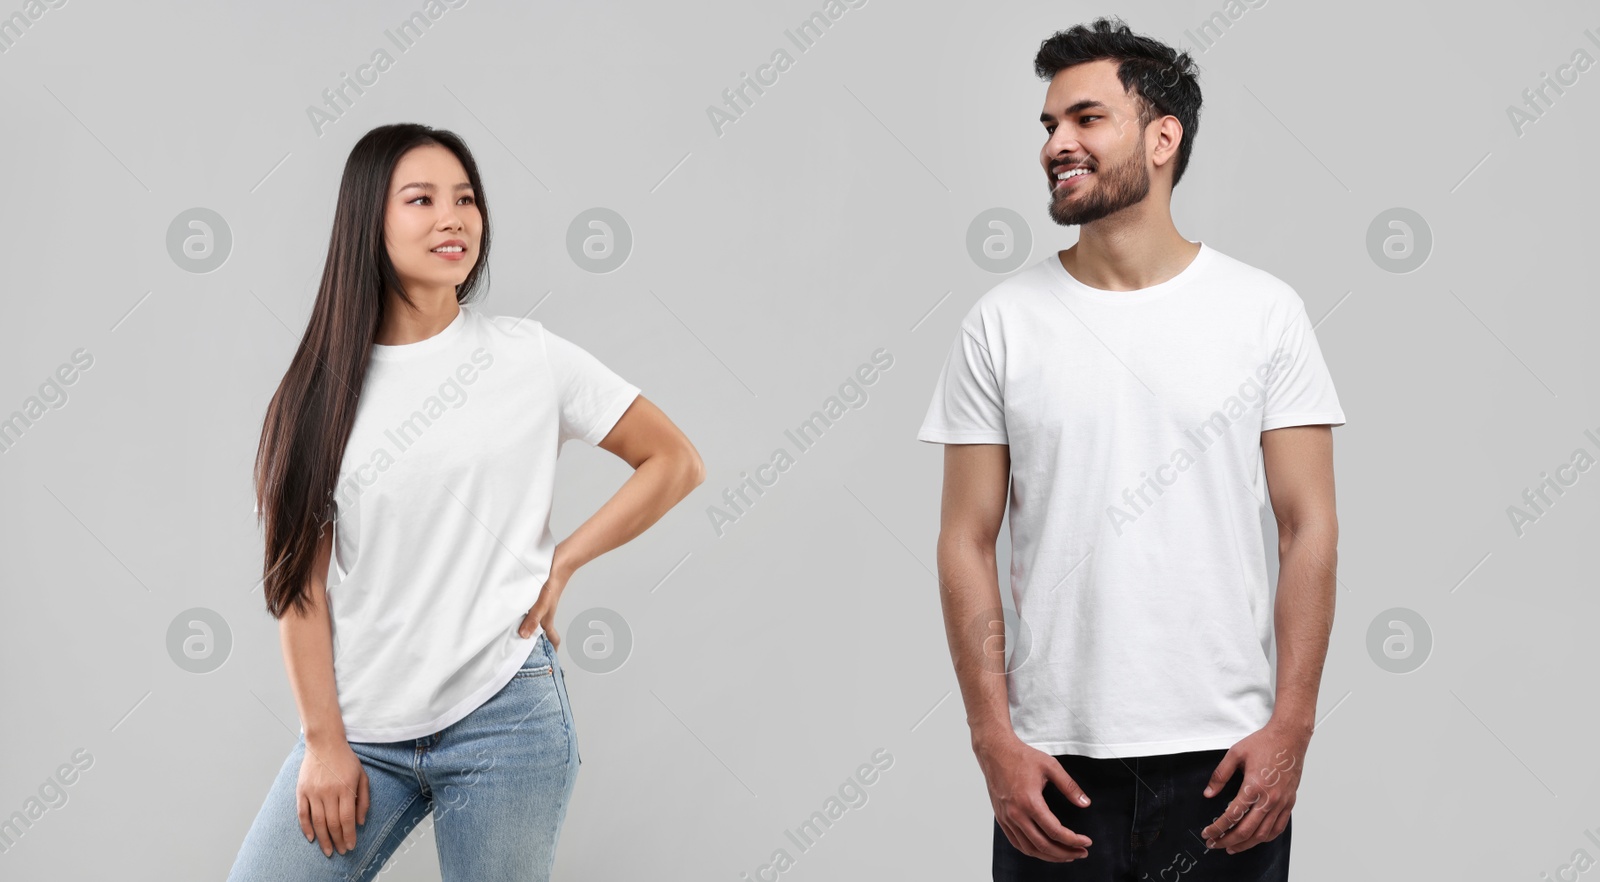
(1145,816)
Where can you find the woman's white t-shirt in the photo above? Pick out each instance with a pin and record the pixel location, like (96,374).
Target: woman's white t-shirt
(443,540)
(1134,421)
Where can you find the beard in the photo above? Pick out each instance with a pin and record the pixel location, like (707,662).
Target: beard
(1114,188)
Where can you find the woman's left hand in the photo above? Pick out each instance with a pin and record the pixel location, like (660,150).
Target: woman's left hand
(544,610)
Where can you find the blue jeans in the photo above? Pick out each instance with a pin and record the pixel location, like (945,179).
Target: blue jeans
(496,783)
(1144,817)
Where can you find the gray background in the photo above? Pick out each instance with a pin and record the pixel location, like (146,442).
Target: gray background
(768,263)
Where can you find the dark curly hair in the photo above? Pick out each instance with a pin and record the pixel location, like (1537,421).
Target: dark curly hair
(1162,79)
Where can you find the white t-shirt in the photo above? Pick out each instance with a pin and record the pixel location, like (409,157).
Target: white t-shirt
(443,536)
(1134,422)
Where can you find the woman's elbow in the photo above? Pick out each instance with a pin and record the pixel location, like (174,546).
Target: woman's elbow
(695,468)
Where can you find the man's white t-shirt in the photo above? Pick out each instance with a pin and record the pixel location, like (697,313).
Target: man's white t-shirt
(1134,423)
(443,539)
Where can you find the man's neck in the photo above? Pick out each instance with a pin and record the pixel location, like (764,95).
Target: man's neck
(1119,262)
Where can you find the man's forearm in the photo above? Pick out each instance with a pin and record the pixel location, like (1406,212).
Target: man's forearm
(969,594)
(1303,617)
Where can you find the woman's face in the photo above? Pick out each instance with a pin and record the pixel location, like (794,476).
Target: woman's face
(430,204)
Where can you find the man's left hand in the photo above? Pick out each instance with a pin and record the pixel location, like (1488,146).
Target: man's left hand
(1272,758)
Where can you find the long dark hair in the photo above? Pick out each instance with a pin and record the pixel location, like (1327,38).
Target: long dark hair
(1162,79)
(309,419)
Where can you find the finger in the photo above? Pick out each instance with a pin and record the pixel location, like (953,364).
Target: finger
(1280,826)
(1223,772)
(363,797)
(1229,818)
(1271,824)
(1248,841)
(1050,825)
(1248,796)
(1046,819)
(1218,826)
(550,632)
(1031,845)
(319,823)
(1015,837)
(1026,837)
(1245,830)
(347,819)
(1033,842)
(303,809)
(525,630)
(1050,848)
(1064,783)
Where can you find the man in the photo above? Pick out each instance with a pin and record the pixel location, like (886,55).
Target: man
(1144,394)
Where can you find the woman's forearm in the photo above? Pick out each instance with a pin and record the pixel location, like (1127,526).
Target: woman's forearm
(307,640)
(658,484)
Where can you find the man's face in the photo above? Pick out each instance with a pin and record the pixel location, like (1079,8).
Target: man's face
(1092,123)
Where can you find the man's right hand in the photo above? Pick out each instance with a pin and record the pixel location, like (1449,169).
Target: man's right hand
(1016,775)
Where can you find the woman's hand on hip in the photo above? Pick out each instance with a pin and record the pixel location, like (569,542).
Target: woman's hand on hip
(543,613)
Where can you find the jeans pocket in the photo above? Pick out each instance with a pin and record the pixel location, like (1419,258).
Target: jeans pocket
(539,663)
(542,670)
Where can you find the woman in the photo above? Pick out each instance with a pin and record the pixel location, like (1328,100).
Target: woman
(425,432)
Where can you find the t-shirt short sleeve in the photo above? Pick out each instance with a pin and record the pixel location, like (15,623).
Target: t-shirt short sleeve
(968,405)
(593,397)
(1299,388)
